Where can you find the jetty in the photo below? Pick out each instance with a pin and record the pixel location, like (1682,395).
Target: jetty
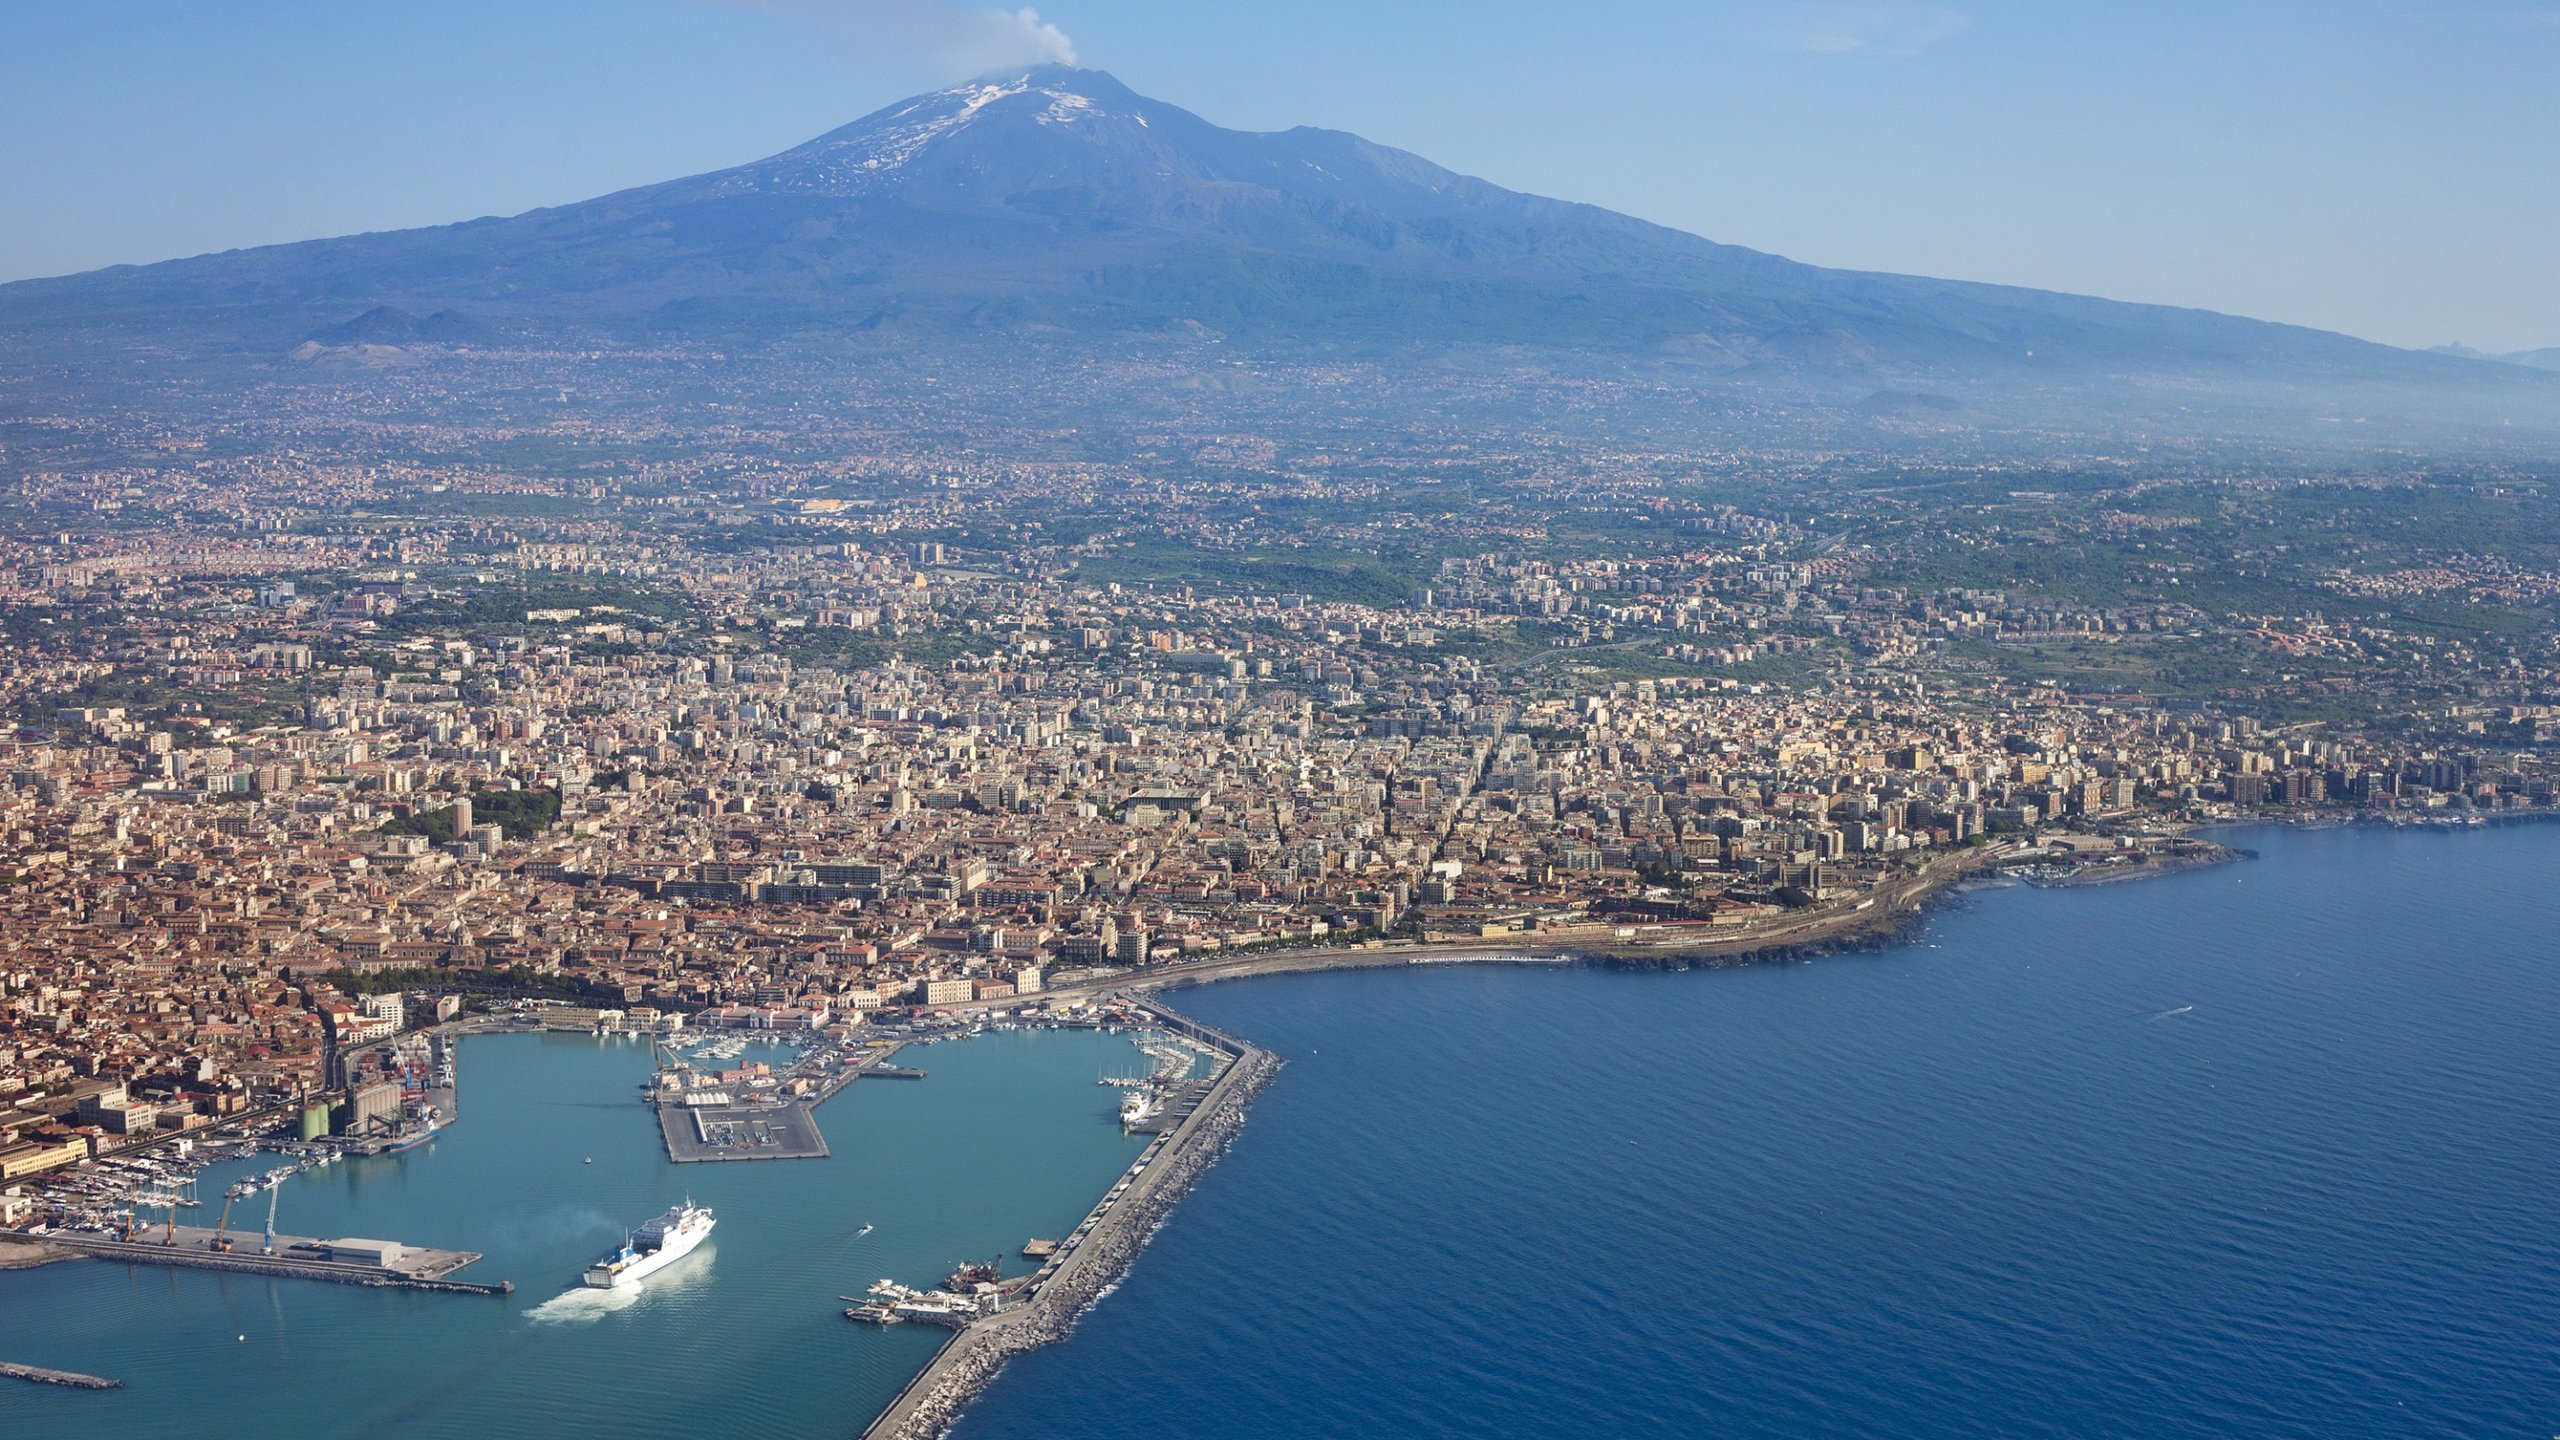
(781,1131)
(780,1128)
(381,1263)
(1076,1270)
(68,1379)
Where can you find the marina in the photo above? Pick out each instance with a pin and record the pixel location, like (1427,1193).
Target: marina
(1009,1138)
(400,1099)
(805,1245)
(994,1320)
(751,1112)
(211,1205)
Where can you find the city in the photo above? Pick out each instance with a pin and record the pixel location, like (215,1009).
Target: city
(363,760)
(1838,719)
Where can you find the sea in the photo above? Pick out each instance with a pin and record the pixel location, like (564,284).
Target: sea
(2270,1149)
(2266,1149)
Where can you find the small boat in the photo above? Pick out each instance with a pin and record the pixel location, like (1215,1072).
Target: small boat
(591,1159)
(865,1230)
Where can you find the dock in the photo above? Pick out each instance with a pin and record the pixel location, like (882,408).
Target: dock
(1185,1097)
(1077,1269)
(68,1379)
(782,1131)
(772,1129)
(343,1262)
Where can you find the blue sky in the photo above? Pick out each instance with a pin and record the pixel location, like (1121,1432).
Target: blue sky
(2388,169)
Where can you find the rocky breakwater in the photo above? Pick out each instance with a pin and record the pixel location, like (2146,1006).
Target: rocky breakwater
(934,1400)
(68,1379)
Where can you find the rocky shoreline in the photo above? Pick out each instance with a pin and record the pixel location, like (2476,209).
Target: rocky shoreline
(931,1403)
(2117,874)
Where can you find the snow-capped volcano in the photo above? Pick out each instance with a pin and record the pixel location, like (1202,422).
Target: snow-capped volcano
(1057,199)
(878,148)
(1054,136)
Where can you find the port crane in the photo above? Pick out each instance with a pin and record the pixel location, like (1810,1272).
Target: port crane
(268,1245)
(221,1242)
(133,1224)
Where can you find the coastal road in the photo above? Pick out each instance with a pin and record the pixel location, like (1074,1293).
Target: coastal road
(1886,905)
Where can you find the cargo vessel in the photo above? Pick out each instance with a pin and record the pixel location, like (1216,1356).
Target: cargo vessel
(653,1247)
(409,1140)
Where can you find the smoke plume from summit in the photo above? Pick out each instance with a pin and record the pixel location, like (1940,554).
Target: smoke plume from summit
(955,36)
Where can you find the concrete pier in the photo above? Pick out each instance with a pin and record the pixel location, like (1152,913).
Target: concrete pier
(785,1131)
(776,1130)
(297,1256)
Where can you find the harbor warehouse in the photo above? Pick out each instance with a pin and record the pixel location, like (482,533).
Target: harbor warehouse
(384,1254)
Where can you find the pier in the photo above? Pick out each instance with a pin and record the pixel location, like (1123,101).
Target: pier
(785,1131)
(773,1129)
(344,1262)
(68,1379)
(1096,1254)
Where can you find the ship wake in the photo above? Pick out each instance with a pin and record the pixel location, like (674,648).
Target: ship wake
(583,1304)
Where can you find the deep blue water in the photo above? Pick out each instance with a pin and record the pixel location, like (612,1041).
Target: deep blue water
(2000,1182)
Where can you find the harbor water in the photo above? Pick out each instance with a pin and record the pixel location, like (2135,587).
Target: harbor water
(1007,1139)
(2269,1150)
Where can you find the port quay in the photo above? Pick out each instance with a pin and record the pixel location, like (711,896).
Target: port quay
(1100,1250)
(697,1134)
(346,1262)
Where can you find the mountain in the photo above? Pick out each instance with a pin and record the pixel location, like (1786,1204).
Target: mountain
(1057,206)
(2547,358)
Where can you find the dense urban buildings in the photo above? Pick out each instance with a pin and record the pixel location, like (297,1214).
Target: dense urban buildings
(783,730)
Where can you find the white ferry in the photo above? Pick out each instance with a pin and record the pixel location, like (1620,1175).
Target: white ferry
(653,1247)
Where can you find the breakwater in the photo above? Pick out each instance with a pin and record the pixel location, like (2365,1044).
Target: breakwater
(933,1401)
(67,1379)
(1106,1245)
(2192,1102)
